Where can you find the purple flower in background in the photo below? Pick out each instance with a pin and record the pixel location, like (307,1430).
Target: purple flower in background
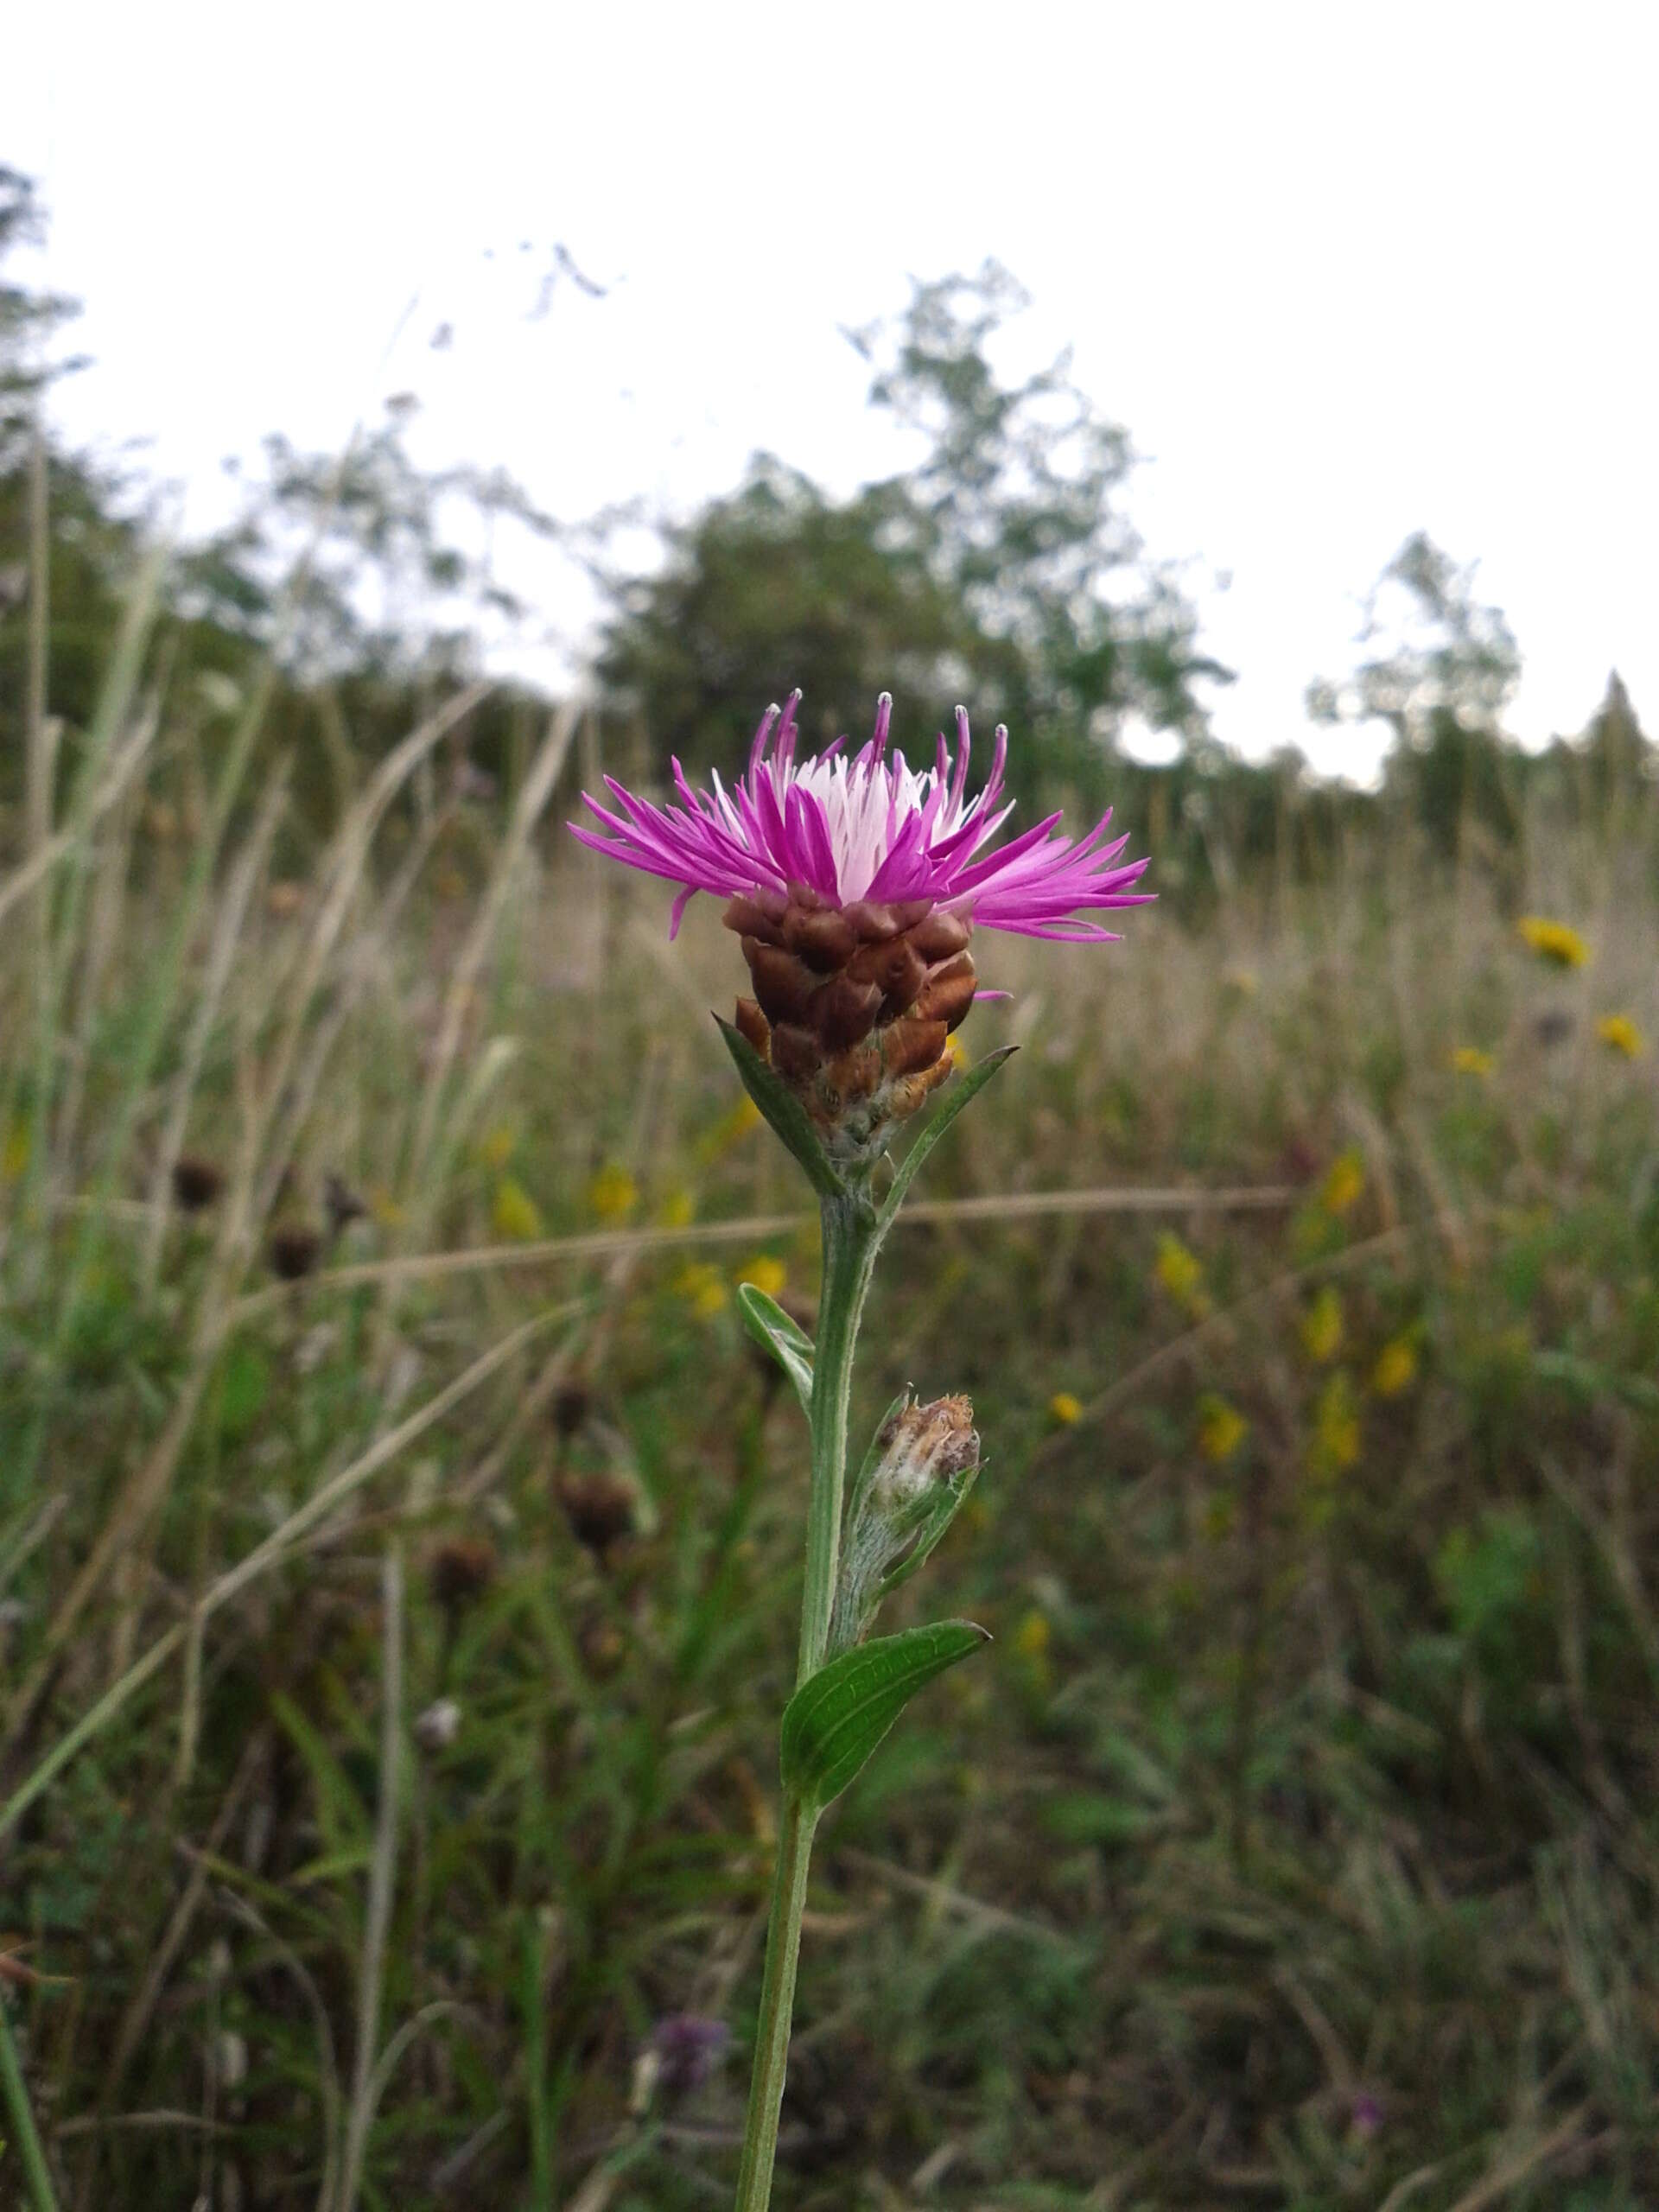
(1366,2116)
(869,831)
(855,886)
(688,2047)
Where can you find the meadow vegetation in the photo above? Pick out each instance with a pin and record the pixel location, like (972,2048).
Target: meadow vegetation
(399,1540)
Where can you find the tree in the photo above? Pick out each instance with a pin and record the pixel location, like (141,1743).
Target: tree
(1001,568)
(1440,671)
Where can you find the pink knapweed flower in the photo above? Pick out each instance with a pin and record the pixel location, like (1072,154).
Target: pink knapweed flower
(855,886)
(870,829)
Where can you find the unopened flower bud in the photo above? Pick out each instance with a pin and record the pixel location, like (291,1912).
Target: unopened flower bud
(918,1470)
(922,1446)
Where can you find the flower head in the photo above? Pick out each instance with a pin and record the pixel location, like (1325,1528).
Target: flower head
(1620,1034)
(1558,943)
(869,829)
(855,884)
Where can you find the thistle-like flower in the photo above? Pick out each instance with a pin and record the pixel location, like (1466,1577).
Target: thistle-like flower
(855,886)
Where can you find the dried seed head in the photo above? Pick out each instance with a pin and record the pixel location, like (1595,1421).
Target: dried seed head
(196,1182)
(601,1508)
(294,1252)
(460,1569)
(570,1408)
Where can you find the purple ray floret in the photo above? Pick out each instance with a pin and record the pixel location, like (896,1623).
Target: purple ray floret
(869,828)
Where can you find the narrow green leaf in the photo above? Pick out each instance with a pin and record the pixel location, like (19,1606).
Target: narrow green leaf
(783,1110)
(955,1099)
(773,1330)
(836,1720)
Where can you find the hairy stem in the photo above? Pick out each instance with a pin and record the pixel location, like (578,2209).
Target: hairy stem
(851,1235)
(850,1238)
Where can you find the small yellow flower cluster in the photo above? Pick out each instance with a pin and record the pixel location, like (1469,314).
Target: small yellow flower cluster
(1179,1274)
(1554,942)
(1469,1059)
(1620,1034)
(678,1209)
(766,1273)
(1034,1636)
(1222,1428)
(495,1148)
(703,1287)
(1321,1327)
(514,1214)
(1395,1369)
(731,1128)
(613,1194)
(1064,1409)
(1336,1429)
(1344,1185)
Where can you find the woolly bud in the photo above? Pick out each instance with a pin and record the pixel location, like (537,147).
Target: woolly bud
(919,1468)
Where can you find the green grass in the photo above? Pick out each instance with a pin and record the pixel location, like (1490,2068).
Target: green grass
(1294,1844)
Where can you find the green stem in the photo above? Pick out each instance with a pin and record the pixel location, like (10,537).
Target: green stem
(851,1236)
(27,2145)
(777,2008)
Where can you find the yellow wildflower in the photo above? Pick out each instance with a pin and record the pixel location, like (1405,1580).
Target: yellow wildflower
(703,1288)
(731,1128)
(1222,1428)
(1469,1059)
(1033,1636)
(767,1275)
(1178,1272)
(495,1148)
(1336,1429)
(1064,1409)
(514,1213)
(613,1194)
(1620,1034)
(1555,941)
(678,1209)
(956,1050)
(1340,1192)
(1243,982)
(1322,1326)
(1395,1369)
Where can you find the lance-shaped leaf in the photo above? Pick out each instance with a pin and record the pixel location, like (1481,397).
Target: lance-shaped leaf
(780,1106)
(837,1718)
(773,1331)
(955,1099)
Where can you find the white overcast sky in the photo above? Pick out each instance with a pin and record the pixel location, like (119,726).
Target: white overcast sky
(1343,270)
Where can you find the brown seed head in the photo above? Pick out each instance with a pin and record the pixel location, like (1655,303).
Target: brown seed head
(294,1252)
(600,1509)
(196,1182)
(460,1569)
